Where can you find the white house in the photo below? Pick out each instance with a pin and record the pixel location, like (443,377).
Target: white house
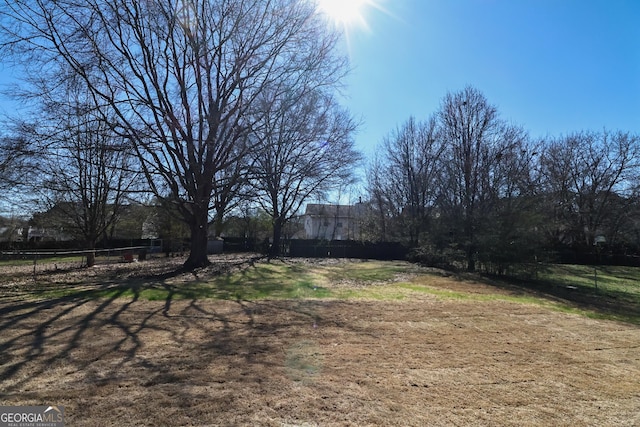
(333,222)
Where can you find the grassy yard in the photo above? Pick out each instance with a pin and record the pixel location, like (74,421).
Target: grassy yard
(313,343)
(615,281)
(48,260)
(303,280)
(616,297)
(264,280)
(609,291)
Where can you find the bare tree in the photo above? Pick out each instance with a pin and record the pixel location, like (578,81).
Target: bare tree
(19,159)
(509,231)
(410,174)
(306,150)
(380,214)
(590,177)
(16,155)
(182,76)
(84,170)
(478,144)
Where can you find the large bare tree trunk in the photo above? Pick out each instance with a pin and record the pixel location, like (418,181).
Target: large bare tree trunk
(275,249)
(91,258)
(198,245)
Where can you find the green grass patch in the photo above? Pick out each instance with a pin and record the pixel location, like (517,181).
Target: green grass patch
(372,280)
(369,271)
(468,296)
(617,282)
(271,280)
(268,280)
(439,292)
(378,293)
(416,286)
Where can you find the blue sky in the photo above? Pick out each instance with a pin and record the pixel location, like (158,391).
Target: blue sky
(551,66)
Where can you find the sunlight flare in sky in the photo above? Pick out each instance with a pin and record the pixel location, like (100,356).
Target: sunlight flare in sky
(347,13)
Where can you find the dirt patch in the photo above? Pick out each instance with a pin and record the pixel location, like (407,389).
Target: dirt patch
(419,361)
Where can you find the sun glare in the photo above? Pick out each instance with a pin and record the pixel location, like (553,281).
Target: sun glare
(346,13)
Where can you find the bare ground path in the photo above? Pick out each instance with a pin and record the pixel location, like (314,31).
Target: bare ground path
(416,362)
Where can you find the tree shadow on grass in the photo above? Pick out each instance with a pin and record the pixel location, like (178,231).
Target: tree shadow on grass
(98,335)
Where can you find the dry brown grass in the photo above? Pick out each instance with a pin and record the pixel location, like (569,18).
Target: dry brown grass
(424,360)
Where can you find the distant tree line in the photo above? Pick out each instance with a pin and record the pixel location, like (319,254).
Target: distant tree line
(465,186)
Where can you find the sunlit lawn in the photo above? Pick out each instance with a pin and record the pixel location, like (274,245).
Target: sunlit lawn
(614,281)
(375,280)
(267,280)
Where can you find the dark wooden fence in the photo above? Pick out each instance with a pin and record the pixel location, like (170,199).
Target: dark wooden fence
(345,249)
(295,248)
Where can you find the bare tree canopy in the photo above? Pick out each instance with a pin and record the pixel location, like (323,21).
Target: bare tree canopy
(15,152)
(591,178)
(455,183)
(181,76)
(479,146)
(496,197)
(411,175)
(84,170)
(306,150)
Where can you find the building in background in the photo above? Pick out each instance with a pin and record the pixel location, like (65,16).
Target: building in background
(333,222)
